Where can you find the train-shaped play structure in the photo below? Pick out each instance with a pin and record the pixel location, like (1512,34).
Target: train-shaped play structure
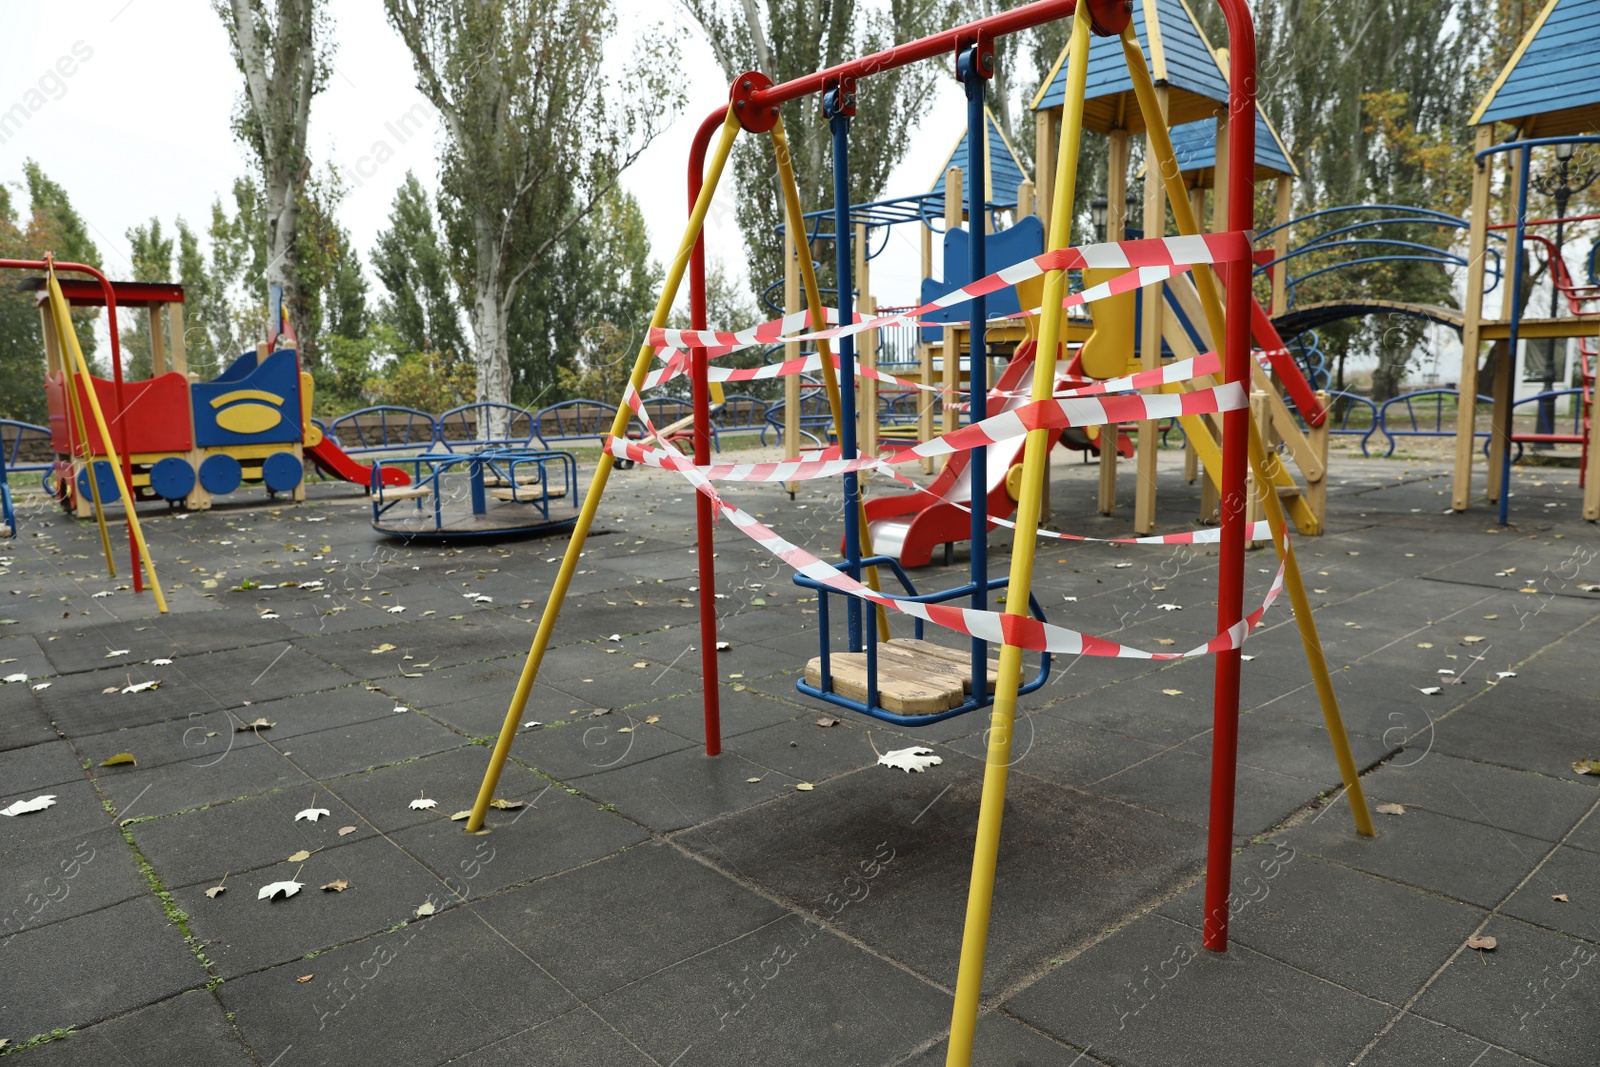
(187,440)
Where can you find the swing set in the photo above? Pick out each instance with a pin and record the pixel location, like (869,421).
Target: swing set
(872,658)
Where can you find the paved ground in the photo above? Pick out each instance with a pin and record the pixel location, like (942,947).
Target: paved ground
(650,906)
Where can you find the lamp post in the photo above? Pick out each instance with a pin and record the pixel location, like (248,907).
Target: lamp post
(1097,213)
(1561,187)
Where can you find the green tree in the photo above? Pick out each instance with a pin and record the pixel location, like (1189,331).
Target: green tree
(281,48)
(152,262)
(535,139)
(419,301)
(785,40)
(56,228)
(21,346)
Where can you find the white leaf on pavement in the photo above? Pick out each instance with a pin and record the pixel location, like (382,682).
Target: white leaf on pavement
(916,758)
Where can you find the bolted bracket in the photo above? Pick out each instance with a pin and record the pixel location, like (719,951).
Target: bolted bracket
(978,48)
(744,95)
(839,97)
(1108,18)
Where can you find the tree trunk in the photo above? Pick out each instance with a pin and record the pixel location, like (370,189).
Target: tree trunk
(489,315)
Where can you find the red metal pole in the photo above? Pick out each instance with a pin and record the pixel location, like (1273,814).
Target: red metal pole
(704,518)
(1235,448)
(116,377)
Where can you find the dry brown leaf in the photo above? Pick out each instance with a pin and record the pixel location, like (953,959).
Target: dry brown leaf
(652,718)
(259,724)
(338,885)
(120,758)
(804,787)
(460,815)
(1559,897)
(299,857)
(216,891)
(304,978)
(752,780)
(1587,766)
(1165,641)
(507,805)
(1483,943)
(1529,589)
(827,721)
(641,665)
(1391,809)
(385,647)
(343,830)
(425,909)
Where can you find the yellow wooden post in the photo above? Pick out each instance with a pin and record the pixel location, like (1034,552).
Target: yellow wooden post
(175,329)
(78,430)
(158,341)
(985,853)
(1152,305)
(1280,246)
(597,485)
(1472,322)
(1116,221)
(791,350)
(952,349)
(1044,155)
(1317,491)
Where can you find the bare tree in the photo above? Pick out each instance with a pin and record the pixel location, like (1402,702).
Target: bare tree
(536,136)
(276,47)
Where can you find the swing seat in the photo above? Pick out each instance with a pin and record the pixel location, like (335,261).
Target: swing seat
(914,677)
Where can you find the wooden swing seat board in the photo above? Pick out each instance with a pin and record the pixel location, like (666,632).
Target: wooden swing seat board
(914,677)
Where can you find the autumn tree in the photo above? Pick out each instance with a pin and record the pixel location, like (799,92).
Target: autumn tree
(419,299)
(282,49)
(536,137)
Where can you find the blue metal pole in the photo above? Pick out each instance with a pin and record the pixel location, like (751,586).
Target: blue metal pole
(1517,254)
(978,366)
(839,122)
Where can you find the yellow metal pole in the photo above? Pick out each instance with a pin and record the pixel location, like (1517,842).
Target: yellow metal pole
(986,850)
(819,320)
(1161,149)
(597,486)
(76,425)
(64,329)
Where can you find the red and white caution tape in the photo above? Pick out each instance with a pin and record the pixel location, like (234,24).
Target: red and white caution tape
(1144,261)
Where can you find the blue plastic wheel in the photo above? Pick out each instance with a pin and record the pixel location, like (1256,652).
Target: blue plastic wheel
(106,478)
(172,478)
(282,471)
(221,474)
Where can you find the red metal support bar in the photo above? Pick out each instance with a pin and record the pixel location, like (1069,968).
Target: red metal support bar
(1544,222)
(116,377)
(1235,446)
(704,516)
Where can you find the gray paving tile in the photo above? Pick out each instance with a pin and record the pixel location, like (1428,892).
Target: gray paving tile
(188,1028)
(1002,1041)
(1361,932)
(383,796)
(70,984)
(738,711)
(1569,872)
(1178,783)
(579,1038)
(1536,994)
(607,925)
(1417,1042)
(576,747)
(46,881)
(432,990)
(1297,750)
(343,749)
(1066,753)
(722,1006)
(243,933)
(1520,801)
(1149,996)
(240,772)
(686,787)
(39,766)
(1465,861)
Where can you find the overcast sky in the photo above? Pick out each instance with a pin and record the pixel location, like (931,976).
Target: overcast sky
(141,126)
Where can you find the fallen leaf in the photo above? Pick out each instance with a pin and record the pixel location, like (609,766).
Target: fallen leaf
(1424,644)
(1431,691)
(311,814)
(23,807)
(385,647)
(119,759)
(41,685)
(1471,639)
(507,805)
(597,712)
(115,652)
(16,678)
(1391,809)
(458,816)
(1559,897)
(304,978)
(752,780)
(272,889)
(641,665)
(723,646)
(338,885)
(1583,766)
(624,729)
(652,718)
(401,708)
(259,724)
(804,787)
(216,891)
(827,721)
(1165,641)
(1529,589)
(343,830)
(299,857)
(1173,692)
(140,687)
(162,662)
(269,615)
(1505,674)
(916,758)
(397,609)
(423,804)
(425,909)
(1482,943)
(1170,607)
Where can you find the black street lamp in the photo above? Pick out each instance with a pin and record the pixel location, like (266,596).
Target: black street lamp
(1561,187)
(1097,213)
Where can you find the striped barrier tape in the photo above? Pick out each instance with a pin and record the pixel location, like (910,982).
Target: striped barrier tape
(1144,261)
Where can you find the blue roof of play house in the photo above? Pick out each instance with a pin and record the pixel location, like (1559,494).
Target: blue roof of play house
(1005,173)
(1195,146)
(1554,68)
(1188,61)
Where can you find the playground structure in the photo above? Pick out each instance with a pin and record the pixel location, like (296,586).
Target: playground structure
(184,440)
(754,108)
(1549,93)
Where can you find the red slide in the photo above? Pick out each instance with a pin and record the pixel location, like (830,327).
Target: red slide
(337,462)
(908,526)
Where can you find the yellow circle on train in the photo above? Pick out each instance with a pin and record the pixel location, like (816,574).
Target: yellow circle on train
(249,418)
